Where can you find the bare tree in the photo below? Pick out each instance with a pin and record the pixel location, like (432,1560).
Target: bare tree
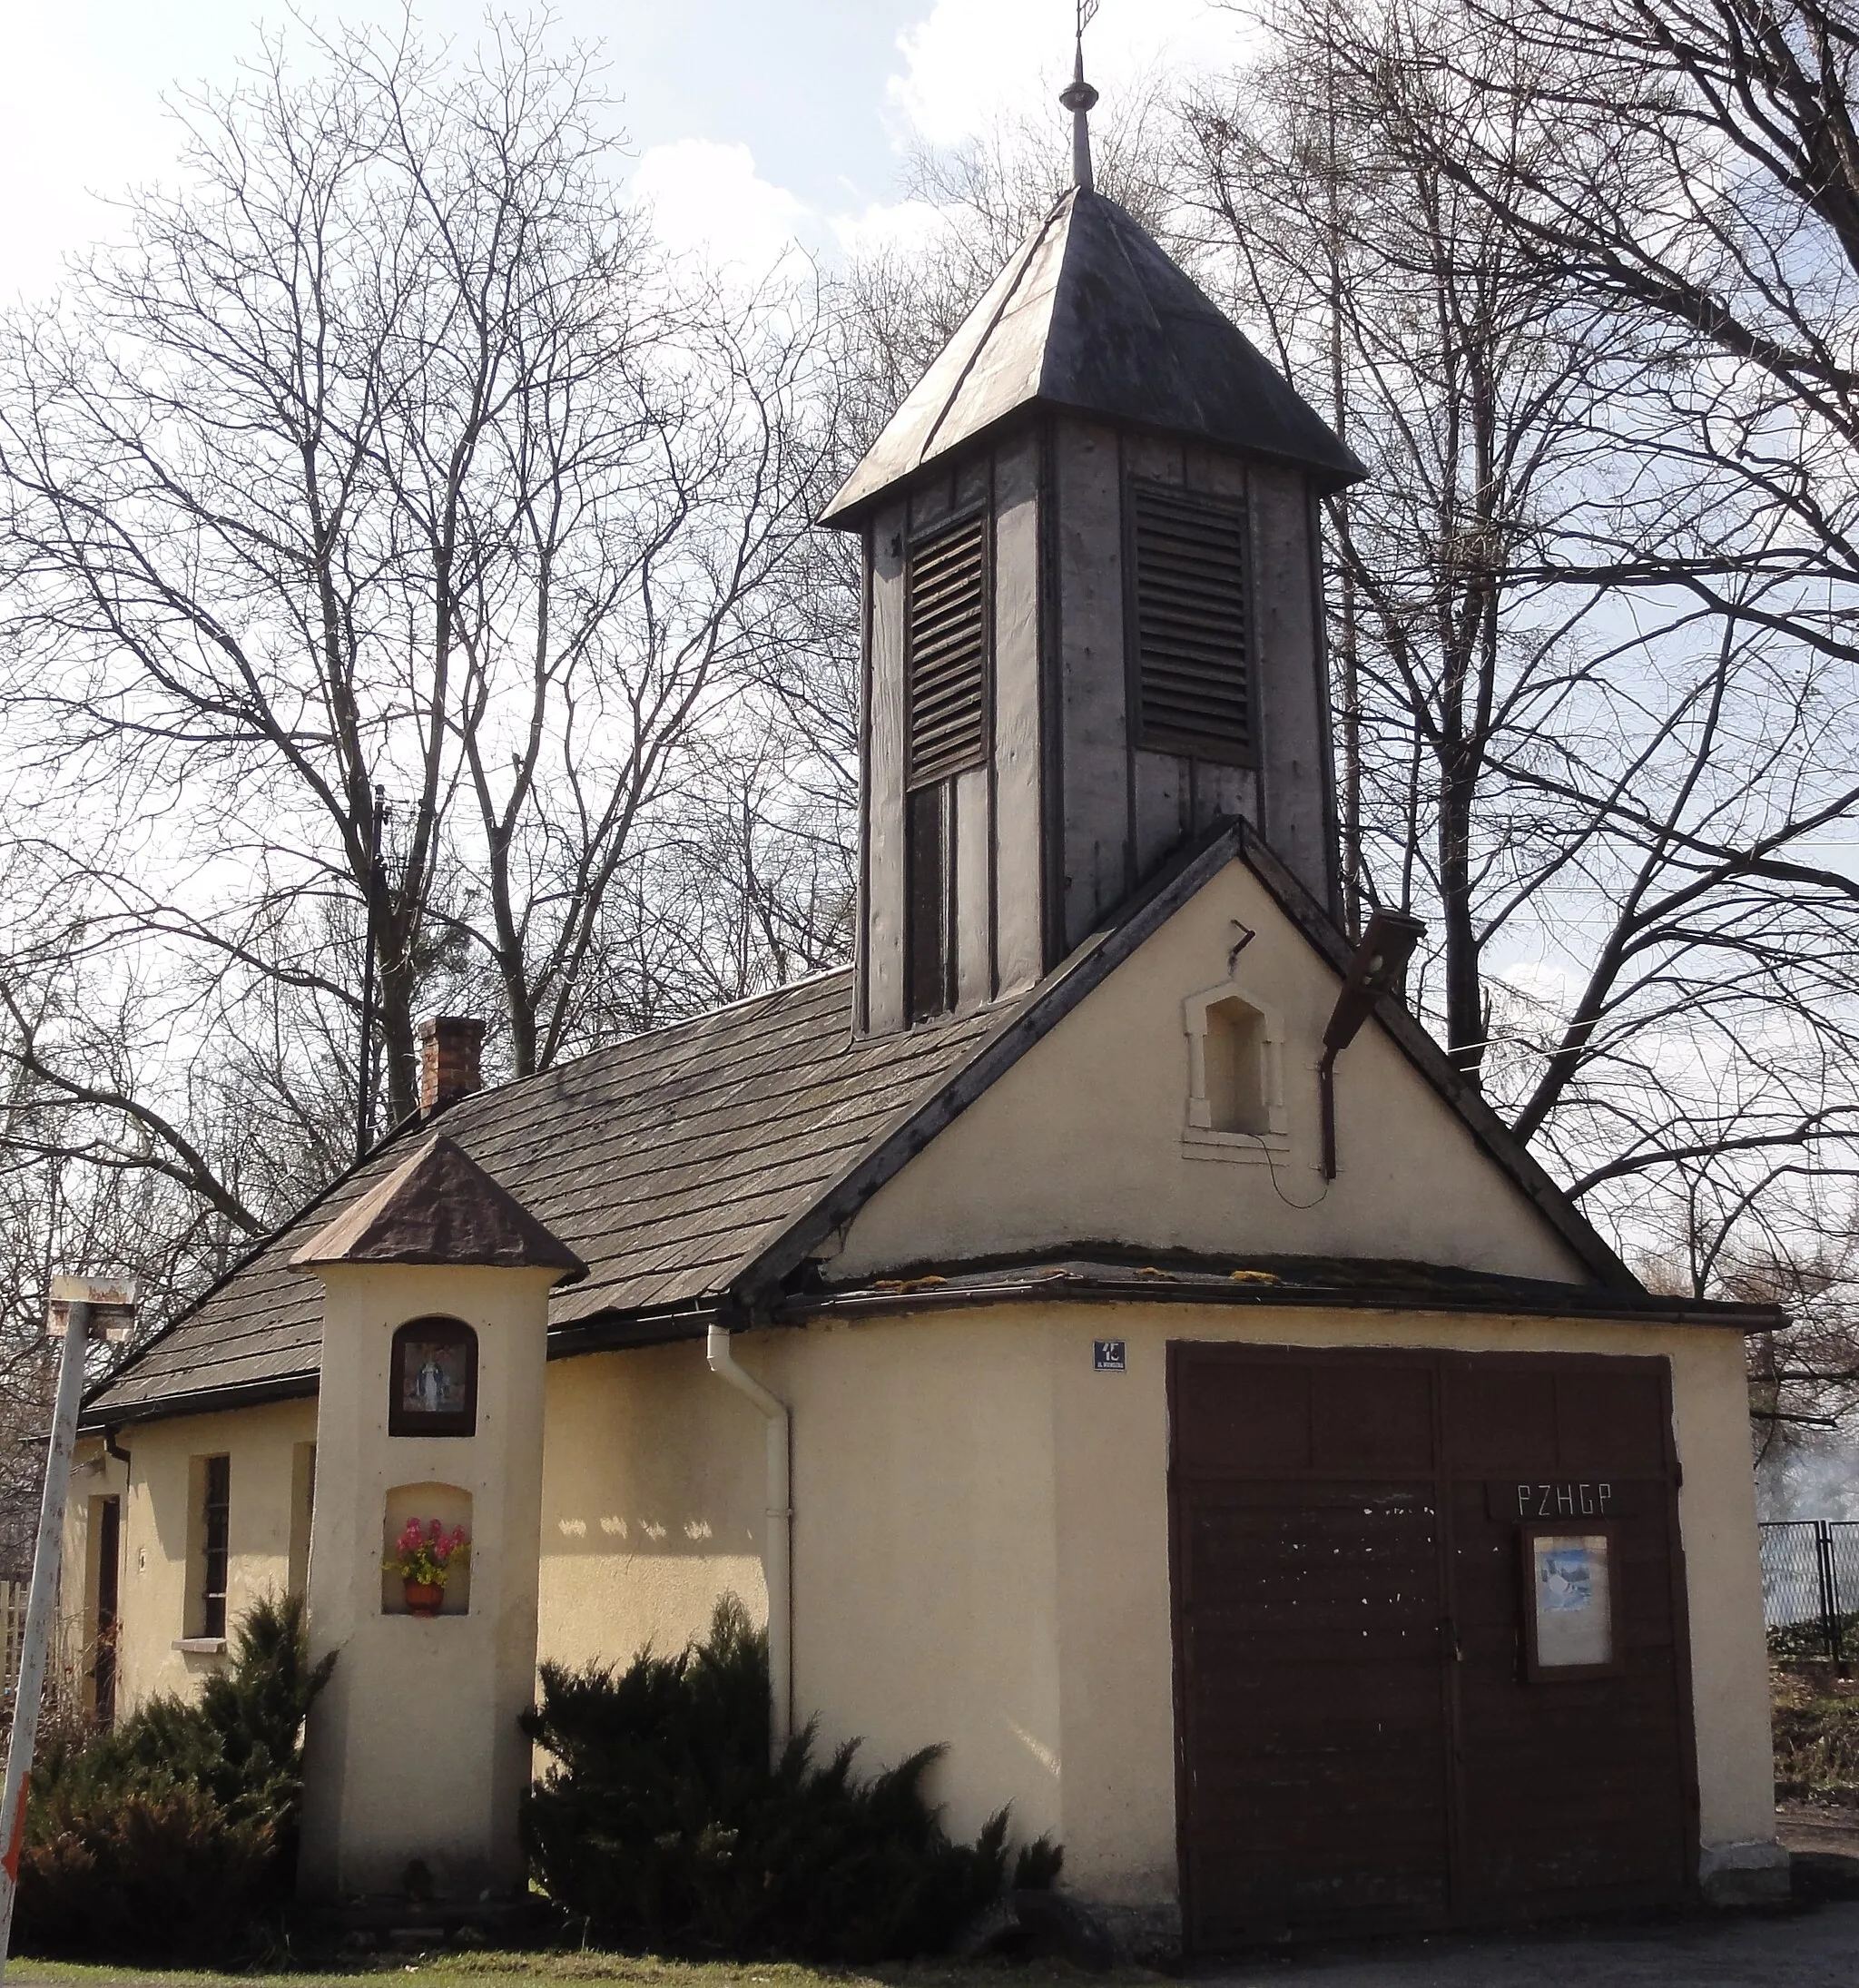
(1611,797)
(389,463)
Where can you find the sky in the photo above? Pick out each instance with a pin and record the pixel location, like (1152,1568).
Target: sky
(751,123)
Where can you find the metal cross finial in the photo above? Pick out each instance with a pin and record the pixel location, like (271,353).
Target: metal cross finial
(1077,97)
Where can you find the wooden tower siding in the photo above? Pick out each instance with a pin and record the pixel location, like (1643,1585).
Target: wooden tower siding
(1067,813)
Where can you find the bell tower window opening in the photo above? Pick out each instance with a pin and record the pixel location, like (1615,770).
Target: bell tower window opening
(1191,615)
(929,880)
(948,672)
(947,639)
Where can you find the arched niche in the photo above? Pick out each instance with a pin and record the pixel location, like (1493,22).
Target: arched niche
(1235,1069)
(451,1506)
(432,1379)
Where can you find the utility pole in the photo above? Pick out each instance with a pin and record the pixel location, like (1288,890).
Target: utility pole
(85,1309)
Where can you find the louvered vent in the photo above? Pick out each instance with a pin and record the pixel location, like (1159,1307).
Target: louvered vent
(1191,623)
(947,640)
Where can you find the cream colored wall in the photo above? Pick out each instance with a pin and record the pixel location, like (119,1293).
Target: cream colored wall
(652,1504)
(94,1475)
(1082,1138)
(928,1606)
(158,1522)
(981,1542)
(414,1750)
(981,1555)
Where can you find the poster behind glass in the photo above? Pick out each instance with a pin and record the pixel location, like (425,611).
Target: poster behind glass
(1570,1603)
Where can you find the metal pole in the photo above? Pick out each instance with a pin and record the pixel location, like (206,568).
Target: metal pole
(1823,1568)
(41,1607)
(1838,1617)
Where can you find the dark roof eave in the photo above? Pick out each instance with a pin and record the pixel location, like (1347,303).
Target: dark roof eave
(604,1332)
(852,512)
(930,1295)
(206,1400)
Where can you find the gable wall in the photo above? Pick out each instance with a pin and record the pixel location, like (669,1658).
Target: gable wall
(1082,1140)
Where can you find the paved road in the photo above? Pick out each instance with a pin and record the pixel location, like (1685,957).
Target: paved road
(1813,1949)
(1816,1946)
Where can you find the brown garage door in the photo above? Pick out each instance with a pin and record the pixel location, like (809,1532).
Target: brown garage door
(1365,1739)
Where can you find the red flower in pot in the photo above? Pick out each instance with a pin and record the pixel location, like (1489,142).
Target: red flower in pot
(424,1557)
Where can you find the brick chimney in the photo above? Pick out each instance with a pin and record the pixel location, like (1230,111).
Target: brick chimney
(449,1049)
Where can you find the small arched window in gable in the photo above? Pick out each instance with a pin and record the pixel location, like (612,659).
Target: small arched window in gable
(1236,1103)
(433,1379)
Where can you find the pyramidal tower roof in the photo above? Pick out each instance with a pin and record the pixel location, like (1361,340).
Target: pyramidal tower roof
(440,1206)
(1090,315)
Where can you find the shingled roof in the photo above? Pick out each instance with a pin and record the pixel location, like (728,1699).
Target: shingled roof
(697,1168)
(663,1162)
(1091,316)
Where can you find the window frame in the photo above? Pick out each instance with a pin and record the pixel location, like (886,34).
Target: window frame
(1535,1670)
(1200,1139)
(215,1543)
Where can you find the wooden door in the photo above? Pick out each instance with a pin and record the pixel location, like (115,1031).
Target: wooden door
(1358,1747)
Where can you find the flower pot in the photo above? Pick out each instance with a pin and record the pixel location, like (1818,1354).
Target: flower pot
(424,1597)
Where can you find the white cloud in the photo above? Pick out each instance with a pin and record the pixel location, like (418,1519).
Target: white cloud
(970,63)
(905,224)
(709,198)
(1539,981)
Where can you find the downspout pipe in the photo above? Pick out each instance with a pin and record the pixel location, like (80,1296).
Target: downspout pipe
(778,1549)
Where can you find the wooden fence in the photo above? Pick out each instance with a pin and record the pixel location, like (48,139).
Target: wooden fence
(13,1594)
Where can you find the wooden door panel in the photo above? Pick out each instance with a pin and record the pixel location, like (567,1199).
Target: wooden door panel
(1309,1611)
(1574,1793)
(1359,1747)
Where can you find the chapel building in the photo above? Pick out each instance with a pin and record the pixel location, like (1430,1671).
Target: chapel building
(1097,1330)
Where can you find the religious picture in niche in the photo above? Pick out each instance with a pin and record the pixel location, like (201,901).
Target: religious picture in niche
(434,1379)
(1570,1610)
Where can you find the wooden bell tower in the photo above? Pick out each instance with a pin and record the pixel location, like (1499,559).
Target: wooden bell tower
(1093,615)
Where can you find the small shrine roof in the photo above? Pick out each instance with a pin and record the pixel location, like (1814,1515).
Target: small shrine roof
(440,1206)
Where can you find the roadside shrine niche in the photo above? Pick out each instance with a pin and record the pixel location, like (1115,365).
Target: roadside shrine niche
(432,1379)
(450,1507)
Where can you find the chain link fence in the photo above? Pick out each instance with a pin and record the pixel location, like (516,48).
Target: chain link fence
(1810,1587)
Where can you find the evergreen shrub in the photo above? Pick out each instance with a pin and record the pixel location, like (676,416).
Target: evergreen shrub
(173,1838)
(663,1828)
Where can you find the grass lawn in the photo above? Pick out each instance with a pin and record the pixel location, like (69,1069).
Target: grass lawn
(504,1969)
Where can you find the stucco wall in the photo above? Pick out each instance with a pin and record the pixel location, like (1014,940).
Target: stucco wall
(981,1556)
(415,1750)
(652,1504)
(980,1539)
(1082,1138)
(158,1518)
